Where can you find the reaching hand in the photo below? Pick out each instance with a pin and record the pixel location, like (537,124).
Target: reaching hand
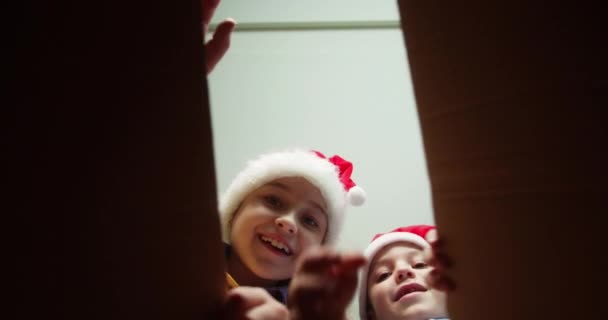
(441,262)
(216,47)
(323,284)
(253,303)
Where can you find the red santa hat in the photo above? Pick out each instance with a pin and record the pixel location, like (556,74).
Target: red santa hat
(332,176)
(416,234)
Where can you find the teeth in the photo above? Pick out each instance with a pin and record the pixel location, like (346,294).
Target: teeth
(276,244)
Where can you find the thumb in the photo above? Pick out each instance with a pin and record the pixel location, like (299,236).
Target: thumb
(219,44)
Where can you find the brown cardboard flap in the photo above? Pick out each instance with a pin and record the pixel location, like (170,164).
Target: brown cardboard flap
(510,98)
(112,163)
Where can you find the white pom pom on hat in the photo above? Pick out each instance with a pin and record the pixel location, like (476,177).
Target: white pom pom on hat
(330,175)
(356,196)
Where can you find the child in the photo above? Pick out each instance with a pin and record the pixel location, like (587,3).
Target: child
(325,281)
(395,284)
(281,204)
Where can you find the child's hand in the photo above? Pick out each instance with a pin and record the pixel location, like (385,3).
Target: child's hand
(253,303)
(323,284)
(440,261)
(216,47)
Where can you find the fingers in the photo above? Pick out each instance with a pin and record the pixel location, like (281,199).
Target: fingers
(440,261)
(440,281)
(208,7)
(316,259)
(306,289)
(317,268)
(348,264)
(252,303)
(345,287)
(216,48)
(324,283)
(438,257)
(352,259)
(234,308)
(269,311)
(320,259)
(248,297)
(322,297)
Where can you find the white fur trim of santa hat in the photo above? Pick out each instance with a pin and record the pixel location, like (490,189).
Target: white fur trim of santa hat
(319,171)
(376,246)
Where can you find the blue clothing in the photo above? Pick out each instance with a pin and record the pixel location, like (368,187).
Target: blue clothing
(279,292)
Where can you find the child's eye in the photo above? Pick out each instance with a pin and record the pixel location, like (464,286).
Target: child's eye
(273,202)
(382,276)
(420,265)
(310,221)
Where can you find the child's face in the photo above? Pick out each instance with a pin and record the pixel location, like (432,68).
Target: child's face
(275,223)
(398,287)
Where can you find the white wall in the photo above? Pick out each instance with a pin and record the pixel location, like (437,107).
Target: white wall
(311,10)
(344,92)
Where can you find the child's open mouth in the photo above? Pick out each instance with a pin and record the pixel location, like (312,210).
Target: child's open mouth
(276,246)
(407,289)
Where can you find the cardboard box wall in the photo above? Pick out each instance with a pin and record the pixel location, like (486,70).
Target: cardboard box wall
(511,100)
(111,164)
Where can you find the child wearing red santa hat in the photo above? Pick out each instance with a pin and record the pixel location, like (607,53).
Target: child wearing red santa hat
(281,204)
(397,281)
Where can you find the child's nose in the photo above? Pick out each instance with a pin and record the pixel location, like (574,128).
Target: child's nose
(286,224)
(404,273)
